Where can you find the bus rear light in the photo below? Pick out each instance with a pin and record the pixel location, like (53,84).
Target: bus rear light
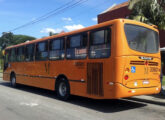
(131,91)
(126,77)
(146,63)
(127,70)
(110,83)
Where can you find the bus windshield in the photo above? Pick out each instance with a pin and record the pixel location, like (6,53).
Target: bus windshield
(142,39)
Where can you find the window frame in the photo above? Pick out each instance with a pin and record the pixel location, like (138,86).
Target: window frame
(35,50)
(145,28)
(109,28)
(5,57)
(22,54)
(15,58)
(34,46)
(81,45)
(64,48)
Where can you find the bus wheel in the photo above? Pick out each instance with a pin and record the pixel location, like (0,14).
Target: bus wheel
(13,81)
(63,89)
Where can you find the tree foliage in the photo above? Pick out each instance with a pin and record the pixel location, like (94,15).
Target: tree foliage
(148,11)
(8,39)
(21,39)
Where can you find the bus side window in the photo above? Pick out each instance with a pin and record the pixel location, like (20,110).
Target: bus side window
(42,51)
(29,52)
(7,56)
(20,54)
(77,46)
(100,42)
(6,59)
(57,49)
(13,55)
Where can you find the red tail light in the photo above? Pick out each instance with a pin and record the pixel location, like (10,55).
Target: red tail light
(126,77)
(146,63)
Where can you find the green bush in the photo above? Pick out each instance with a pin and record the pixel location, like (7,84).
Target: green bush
(163,81)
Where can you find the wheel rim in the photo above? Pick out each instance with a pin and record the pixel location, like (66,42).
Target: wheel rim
(62,89)
(13,80)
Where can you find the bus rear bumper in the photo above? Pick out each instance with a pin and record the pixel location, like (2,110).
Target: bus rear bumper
(122,91)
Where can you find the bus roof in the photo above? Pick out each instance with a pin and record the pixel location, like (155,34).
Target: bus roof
(83,30)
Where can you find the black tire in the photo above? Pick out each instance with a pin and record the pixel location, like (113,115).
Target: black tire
(63,89)
(13,81)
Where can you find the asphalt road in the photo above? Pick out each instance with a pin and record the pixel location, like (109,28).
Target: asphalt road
(28,103)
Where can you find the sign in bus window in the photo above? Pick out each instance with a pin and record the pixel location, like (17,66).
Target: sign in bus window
(77,47)
(100,44)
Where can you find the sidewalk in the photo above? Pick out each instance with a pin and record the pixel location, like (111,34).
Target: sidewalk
(163,87)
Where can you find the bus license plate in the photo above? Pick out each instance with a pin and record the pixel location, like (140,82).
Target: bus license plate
(145,82)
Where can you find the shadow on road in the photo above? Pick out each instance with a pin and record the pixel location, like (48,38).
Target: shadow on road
(161,103)
(106,106)
(160,96)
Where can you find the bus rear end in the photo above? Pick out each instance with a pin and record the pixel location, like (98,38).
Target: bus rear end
(141,57)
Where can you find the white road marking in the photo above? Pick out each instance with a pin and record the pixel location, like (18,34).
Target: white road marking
(29,104)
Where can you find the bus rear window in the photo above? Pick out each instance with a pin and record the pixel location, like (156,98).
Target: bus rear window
(142,39)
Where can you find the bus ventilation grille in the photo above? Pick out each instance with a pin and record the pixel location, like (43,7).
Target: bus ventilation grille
(95,79)
(137,62)
(143,63)
(153,63)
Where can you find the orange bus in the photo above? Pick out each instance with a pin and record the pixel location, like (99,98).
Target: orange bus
(116,59)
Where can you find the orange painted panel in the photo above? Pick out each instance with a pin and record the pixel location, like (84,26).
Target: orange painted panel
(43,74)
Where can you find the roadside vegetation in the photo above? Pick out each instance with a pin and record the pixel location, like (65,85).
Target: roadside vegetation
(8,39)
(163,81)
(148,11)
